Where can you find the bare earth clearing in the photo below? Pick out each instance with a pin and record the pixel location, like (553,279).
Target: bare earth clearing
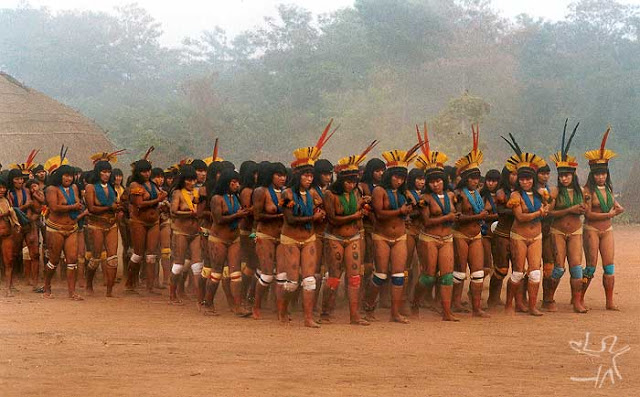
(140,346)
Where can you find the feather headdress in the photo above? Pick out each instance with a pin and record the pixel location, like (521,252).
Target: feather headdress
(28,165)
(56,161)
(522,162)
(564,162)
(307,156)
(599,158)
(471,162)
(214,157)
(431,162)
(105,156)
(351,164)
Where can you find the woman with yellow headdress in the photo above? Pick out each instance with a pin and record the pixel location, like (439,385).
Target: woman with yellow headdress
(598,230)
(566,210)
(529,207)
(296,254)
(9,228)
(144,226)
(467,232)
(389,234)
(101,200)
(345,209)
(64,206)
(435,241)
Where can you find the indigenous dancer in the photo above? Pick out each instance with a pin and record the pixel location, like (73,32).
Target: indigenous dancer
(415,188)
(224,237)
(371,178)
(501,237)
(101,200)
(144,197)
(63,200)
(34,214)
(345,208)
(20,198)
(322,179)
(9,228)
(117,179)
(567,206)
(488,193)
(185,229)
(598,230)
(529,207)
(296,254)
(157,176)
(248,258)
(467,233)
(268,215)
(435,242)
(389,234)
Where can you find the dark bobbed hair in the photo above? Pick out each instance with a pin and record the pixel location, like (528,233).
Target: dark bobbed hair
(337,187)
(247,174)
(414,174)
(575,184)
(373,165)
(222,185)
(265,175)
(389,172)
(139,167)
(591,181)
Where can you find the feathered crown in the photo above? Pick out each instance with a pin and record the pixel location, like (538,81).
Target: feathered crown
(307,156)
(562,159)
(145,157)
(172,169)
(472,161)
(214,157)
(28,165)
(599,158)
(429,161)
(351,164)
(54,162)
(401,158)
(104,156)
(522,162)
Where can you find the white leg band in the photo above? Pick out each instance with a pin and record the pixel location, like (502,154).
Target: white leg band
(281,277)
(135,258)
(309,283)
(196,268)
(291,286)
(459,277)
(381,276)
(72,266)
(516,277)
(534,276)
(477,276)
(51,266)
(176,269)
(265,279)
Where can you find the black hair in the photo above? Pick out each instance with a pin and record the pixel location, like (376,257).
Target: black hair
(55,179)
(466,176)
(186,172)
(322,166)
(414,174)
(139,167)
(222,185)
(227,165)
(114,173)
(94,176)
(575,185)
(295,176)
(30,183)
(337,187)
(156,172)
(14,173)
(247,173)
(265,174)
(389,172)
(3,180)
(544,168)
(435,177)
(534,187)
(504,180)
(493,175)
(198,165)
(373,165)
(591,181)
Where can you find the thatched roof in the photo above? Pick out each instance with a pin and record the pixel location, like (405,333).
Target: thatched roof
(32,120)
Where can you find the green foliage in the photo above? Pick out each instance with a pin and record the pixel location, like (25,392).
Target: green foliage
(379,68)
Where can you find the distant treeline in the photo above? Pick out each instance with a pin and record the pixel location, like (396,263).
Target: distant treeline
(377,68)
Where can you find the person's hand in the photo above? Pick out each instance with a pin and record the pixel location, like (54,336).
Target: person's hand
(162,195)
(242,212)
(318,215)
(406,209)
(77,206)
(484,214)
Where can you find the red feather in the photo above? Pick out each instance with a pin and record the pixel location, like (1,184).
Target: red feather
(367,150)
(604,141)
(215,150)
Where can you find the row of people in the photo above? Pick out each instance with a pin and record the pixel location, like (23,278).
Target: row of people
(271,225)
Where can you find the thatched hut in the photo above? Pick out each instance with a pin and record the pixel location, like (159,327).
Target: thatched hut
(32,120)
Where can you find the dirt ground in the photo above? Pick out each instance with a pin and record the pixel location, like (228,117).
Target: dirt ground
(140,346)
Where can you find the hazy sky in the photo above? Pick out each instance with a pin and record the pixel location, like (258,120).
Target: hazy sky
(189,17)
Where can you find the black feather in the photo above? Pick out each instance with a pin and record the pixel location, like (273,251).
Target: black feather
(510,144)
(564,134)
(566,151)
